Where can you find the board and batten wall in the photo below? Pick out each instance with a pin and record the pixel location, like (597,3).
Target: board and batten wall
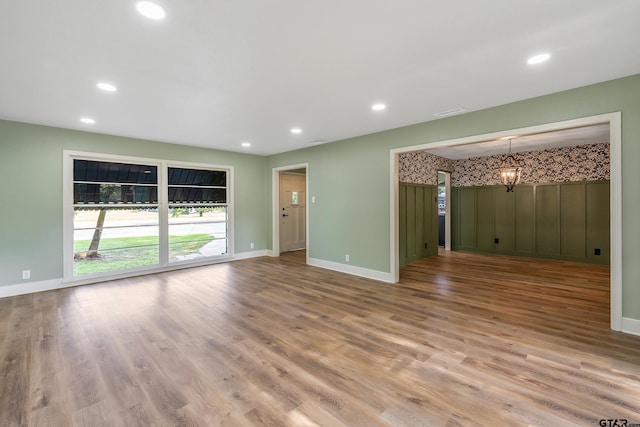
(560,212)
(352,179)
(566,221)
(349,180)
(418,222)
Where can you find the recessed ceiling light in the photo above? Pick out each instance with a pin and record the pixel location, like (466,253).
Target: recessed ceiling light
(246,144)
(538,59)
(150,10)
(107,87)
(87,120)
(296,131)
(378,107)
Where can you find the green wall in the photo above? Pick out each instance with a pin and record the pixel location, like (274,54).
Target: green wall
(565,221)
(351,212)
(350,178)
(31,209)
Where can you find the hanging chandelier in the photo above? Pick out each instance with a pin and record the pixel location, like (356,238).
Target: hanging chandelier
(510,171)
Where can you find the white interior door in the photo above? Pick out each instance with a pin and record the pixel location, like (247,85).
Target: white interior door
(292,211)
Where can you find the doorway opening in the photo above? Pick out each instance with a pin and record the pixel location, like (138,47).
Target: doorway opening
(292,210)
(290,214)
(444,210)
(615,142)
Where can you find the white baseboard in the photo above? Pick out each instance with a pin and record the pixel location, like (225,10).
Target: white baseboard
(32,287)
(49,285)
(631,326)
(247,255)
(350,269)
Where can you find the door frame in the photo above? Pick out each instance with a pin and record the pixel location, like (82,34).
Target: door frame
(275,207)
(615,202)
(447,208)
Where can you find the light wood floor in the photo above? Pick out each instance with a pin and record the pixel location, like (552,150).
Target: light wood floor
(463,340)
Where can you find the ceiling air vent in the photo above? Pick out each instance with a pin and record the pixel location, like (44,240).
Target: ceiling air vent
(450,112)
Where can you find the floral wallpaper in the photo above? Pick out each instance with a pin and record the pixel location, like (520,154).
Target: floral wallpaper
(578,163)
(420,167)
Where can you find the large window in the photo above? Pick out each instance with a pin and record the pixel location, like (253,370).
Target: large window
(198,214)
(115,216)
(145,214)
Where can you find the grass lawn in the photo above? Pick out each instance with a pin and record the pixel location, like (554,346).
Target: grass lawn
(129,252)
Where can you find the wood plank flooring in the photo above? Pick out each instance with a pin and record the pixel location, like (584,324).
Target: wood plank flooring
(463,340)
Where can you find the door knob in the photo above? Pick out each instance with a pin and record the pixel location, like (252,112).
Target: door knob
(283,215)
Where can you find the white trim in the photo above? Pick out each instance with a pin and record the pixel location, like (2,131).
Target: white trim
(163,215)
(247,255)
(163,165)
(350,269)
(67,213)
(547,127)
(615,195)
(275,207)
(394,213)
(615,128)
(231,241)
(630,326)
(49,285)
(31,287)
(447,209)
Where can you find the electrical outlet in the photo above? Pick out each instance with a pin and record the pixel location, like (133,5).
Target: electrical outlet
(26,274)
(251,245)
(346,258)
(596,251)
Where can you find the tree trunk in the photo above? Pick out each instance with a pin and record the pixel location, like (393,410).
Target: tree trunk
(95,241)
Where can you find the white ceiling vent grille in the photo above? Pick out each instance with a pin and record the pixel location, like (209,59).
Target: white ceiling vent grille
(450,112)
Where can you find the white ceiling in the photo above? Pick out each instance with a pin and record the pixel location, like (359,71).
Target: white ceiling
(218,73)
(519,143)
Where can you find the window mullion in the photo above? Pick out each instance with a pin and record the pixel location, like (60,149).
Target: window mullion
(163,212)
(97,199)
